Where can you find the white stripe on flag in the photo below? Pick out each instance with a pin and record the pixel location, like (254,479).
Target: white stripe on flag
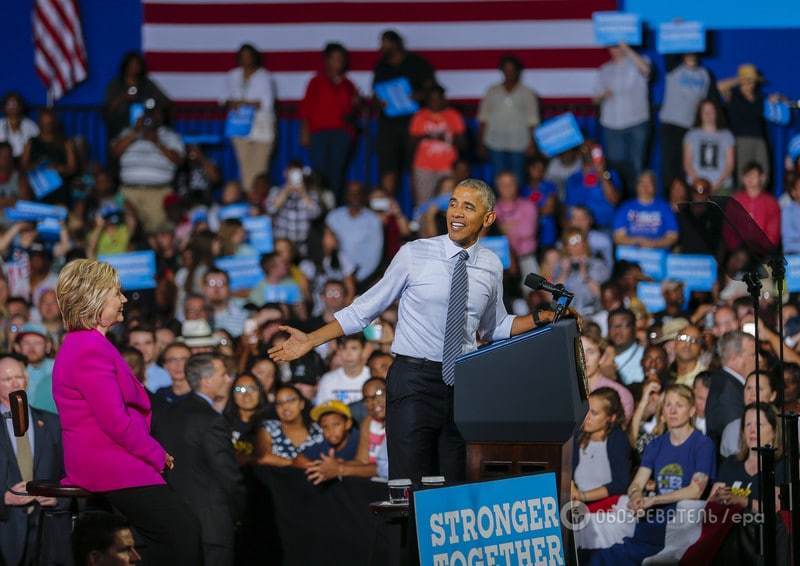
(469,36)
(472,84)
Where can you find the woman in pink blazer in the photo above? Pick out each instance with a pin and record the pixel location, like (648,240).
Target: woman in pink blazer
(105,418)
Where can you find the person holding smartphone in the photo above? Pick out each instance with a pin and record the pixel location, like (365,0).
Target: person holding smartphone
(293,206)
(594,186)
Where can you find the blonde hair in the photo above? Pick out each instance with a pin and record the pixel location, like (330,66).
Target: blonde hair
(683,391)
(81,292)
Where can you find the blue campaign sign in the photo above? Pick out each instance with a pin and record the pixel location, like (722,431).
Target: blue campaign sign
(777,112)
(28,211)
(558,134)
(396,94)
(44,180)
(698,272)
(508,521)
(49,229)
(137,270)
(238,210)
(286,293)
(244,272)
(793,273)
(681,37)
(202,139)
(794,147)
(651,260)
(650,295)
(611,28)
(259,233)
(239,122)
(499,245)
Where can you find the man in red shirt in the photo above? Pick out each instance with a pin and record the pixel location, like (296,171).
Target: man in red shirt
(760,205)
(327,113)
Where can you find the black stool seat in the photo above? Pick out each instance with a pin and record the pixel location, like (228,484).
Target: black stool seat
(49,488)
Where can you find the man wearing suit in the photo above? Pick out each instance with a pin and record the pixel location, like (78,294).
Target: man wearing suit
(208,478)
(37,455)
(737,353)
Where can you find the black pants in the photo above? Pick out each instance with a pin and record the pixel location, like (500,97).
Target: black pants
(671,155)
(421,436)
(393,145)
(170,530)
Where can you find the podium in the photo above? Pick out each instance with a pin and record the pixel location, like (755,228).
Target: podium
(519,402)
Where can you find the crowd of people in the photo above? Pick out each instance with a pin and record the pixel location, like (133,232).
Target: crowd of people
(672,406)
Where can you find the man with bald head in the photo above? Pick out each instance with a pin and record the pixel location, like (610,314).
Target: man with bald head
(35,455)
(688,350)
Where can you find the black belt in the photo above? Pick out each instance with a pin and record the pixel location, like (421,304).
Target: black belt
(422,362)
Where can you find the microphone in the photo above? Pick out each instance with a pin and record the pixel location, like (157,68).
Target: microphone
(19,412)
(537,282)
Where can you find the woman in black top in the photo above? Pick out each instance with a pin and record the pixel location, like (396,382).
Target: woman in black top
(738,478)
(51,149)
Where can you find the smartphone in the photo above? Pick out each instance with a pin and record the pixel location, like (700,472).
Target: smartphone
(373,332)
(380,204)
(597,155)
(295,177)
(250,328)
(749,328)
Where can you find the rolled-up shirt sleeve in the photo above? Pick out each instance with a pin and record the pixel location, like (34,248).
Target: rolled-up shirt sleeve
(379,297)
(496,323)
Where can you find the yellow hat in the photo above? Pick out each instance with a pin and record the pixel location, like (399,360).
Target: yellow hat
(332,406)
(748,71)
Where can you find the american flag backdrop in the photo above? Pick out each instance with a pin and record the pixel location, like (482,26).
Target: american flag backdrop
(189,45)
(59,53)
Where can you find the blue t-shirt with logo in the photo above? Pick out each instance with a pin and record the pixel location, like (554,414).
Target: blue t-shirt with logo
(548,230)
(587,190)
(674,466)
(651,221)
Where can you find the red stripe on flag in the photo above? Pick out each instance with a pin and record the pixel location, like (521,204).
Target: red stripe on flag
(174,62)
(54,70)
(60,50)
(373,12)
(78,51)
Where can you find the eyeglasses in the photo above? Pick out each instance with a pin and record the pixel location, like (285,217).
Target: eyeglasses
(688,339)
(242,389)
(183,359)
(286,401)
(372,398)
(216,283)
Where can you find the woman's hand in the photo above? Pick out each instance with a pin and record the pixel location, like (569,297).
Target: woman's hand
(169,462)
(636,501)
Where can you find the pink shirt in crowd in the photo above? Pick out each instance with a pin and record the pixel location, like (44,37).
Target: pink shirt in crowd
(521,216)
(766,212)
(105,417)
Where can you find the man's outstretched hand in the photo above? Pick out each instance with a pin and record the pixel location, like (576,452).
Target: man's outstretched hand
(296,346)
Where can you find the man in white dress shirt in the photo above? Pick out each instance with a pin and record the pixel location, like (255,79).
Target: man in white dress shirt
(433,327)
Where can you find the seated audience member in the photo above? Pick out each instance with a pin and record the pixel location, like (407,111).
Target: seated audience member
(325,461)
(708,150)
(175,357)
(16,128)
(11,181)
(277,286)
(379,363)
(729,445)
(681,462)
(359,231)
(34,456)
(293,207)
(33,343)
(601,458)
(646,221)
(437,130)
(149,154)
(228,315)
(647,422)
(594,187)
(209,480)
(791,387)
(595,352)
(282,440)
(688,354)
(48,314)
(738,480)
(673,292)
(622,335)
(544,195)
(326,262)
(101,538)
(655,364)
(517,218)
(53,150)
(725,320)
(725,397)
(790,217)
(345,383)
(610,300)
(245,412)
(135,361)
(762,207)
(600,244)
(580,272)
(143,338)
(700,388)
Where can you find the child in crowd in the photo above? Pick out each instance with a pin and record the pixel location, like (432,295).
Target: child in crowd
(340,440)
(601,457)
(344,383)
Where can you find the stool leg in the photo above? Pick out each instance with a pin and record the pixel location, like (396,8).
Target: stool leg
(39,533)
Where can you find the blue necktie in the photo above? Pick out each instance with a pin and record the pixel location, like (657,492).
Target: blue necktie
(456,318)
